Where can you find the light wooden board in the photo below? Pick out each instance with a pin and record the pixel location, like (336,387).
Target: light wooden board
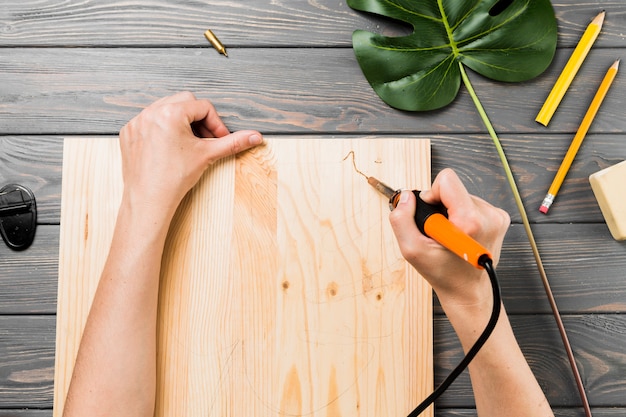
(283,291)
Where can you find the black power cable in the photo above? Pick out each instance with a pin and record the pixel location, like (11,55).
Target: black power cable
(486,262)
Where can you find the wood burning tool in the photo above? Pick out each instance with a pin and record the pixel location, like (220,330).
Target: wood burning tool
(432,221)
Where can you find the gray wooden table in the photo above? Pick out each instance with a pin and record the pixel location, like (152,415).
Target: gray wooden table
(86,67)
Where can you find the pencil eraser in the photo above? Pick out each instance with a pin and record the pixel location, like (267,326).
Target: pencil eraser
(608,188)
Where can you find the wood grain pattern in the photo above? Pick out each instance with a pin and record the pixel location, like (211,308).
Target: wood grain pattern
(257,23)
(95,91)
(28,279)
(597,339)
(539,339)
(534,159)
(282,288)
(559,412)
(26,361)
(86,67)
(42,174)
(581,281)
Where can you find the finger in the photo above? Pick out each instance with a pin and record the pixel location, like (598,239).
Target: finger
(204,117)
(469,213)
(403,225)
(449,190)
(200,114)
(159,107)
(495,218)
(217,148)
(200,131)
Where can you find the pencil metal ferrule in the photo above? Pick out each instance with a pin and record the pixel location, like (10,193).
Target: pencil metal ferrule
(547,202)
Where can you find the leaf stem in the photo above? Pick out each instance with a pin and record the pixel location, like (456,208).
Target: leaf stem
(446,24)
(529,233)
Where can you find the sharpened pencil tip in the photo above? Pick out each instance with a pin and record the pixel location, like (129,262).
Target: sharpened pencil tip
(599,19)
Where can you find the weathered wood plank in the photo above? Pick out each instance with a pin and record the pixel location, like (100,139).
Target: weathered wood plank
(61,91)
(585,267)
(95,91)
(558,412)
(597,341)
(442,412)
(35,162)
(28,279)
(27,361)
(599,289)
(162,22)
(581,281)
(27,349)
(534,160)
(255,23)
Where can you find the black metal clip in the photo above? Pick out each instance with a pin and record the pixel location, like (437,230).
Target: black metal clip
(18,216)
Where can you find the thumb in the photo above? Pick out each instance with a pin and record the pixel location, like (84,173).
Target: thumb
(403,223)
(231,144)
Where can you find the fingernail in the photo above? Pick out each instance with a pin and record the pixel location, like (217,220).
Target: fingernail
(404,197)
(255,139)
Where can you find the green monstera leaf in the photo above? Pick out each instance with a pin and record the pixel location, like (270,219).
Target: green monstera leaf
(505,40)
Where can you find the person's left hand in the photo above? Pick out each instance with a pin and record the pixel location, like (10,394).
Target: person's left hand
(168,146)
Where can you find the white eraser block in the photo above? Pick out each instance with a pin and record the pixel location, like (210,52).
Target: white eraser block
(609,187)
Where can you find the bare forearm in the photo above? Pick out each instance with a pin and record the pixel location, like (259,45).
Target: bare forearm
(501,378)
(503,383)
(115,369)
(162,159)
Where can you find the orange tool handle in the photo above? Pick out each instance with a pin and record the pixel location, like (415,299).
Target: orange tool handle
(433,222)
(438,227)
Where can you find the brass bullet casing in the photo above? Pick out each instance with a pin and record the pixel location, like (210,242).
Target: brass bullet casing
(219,47)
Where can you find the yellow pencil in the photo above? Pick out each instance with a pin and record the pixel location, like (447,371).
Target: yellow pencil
(570,70)
(578,138)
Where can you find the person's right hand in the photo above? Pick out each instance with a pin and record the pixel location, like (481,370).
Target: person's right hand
(449,275)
